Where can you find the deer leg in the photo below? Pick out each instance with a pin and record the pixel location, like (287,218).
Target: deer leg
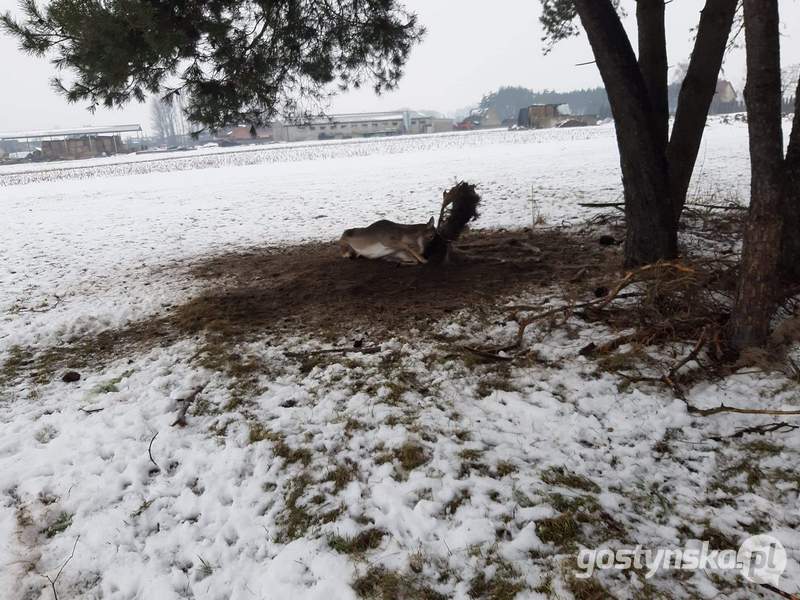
(420,259)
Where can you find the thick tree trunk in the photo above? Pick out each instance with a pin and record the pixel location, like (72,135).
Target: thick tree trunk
(790,245)
(758,278)
(696,95)
(653,64)
(651,227)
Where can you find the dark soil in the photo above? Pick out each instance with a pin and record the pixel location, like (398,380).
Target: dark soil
(312,289)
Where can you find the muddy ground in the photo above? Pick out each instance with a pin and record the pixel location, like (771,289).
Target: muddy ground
(311,289)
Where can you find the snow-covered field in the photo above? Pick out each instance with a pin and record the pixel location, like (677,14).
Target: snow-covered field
(332,480)
(97,232)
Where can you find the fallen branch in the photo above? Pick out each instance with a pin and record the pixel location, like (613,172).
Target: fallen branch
(368,350)
(707,412)
(181,420)
(717,206)
(780,592)
(602,204)
(596,303)
(758,429)
(689,357)
(488,354)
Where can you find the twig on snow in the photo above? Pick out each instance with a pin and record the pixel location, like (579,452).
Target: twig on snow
(759,429)
(55,580)
(780,592)
(368,350)
(482,353)
(150,451)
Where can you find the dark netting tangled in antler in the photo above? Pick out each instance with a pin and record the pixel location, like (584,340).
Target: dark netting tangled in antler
(459,207)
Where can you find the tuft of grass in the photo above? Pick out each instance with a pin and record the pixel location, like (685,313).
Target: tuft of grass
(62,523)
(471,462)
(505,584)
(219,354)
(504,468)
(762,447)
(470,454)
(497,380)
(378,583)
(205,569)
(574,504)
(621,361)
(341,475)
(458,499)
(563,477)
(259,433)
(586,589)
(18,359)
(369,539)
(718,540)
(411,455)
(292,455)
(352,425)
(561,531)
(296,519)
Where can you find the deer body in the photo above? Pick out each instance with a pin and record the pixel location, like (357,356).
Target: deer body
(388,240)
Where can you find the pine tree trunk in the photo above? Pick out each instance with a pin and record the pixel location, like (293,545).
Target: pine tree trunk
(758,278)
(651,227)
(653,64)
(697,93)
(790,244)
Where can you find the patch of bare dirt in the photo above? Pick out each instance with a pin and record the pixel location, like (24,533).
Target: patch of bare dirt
(311,288)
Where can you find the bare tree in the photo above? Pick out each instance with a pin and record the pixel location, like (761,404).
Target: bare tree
(165,120)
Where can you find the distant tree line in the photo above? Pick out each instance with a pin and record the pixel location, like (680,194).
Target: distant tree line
(508,100)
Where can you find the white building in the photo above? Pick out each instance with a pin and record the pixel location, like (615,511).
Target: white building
(360,125)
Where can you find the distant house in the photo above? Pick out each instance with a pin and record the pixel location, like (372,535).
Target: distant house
(725,100)
(480,119)
(242,134)
(70,144)
(86,146)
(545,116)
(725,91)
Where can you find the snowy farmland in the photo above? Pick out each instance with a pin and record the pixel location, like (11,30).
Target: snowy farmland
(406,472)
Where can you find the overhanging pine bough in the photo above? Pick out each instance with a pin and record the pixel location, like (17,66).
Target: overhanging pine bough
(232,61)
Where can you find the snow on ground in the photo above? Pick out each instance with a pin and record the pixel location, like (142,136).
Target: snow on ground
(97,239)
(406,473)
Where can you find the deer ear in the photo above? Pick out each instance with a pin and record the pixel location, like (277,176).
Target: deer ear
(431,222)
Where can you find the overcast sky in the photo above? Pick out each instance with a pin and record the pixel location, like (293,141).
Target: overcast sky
(472,47)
